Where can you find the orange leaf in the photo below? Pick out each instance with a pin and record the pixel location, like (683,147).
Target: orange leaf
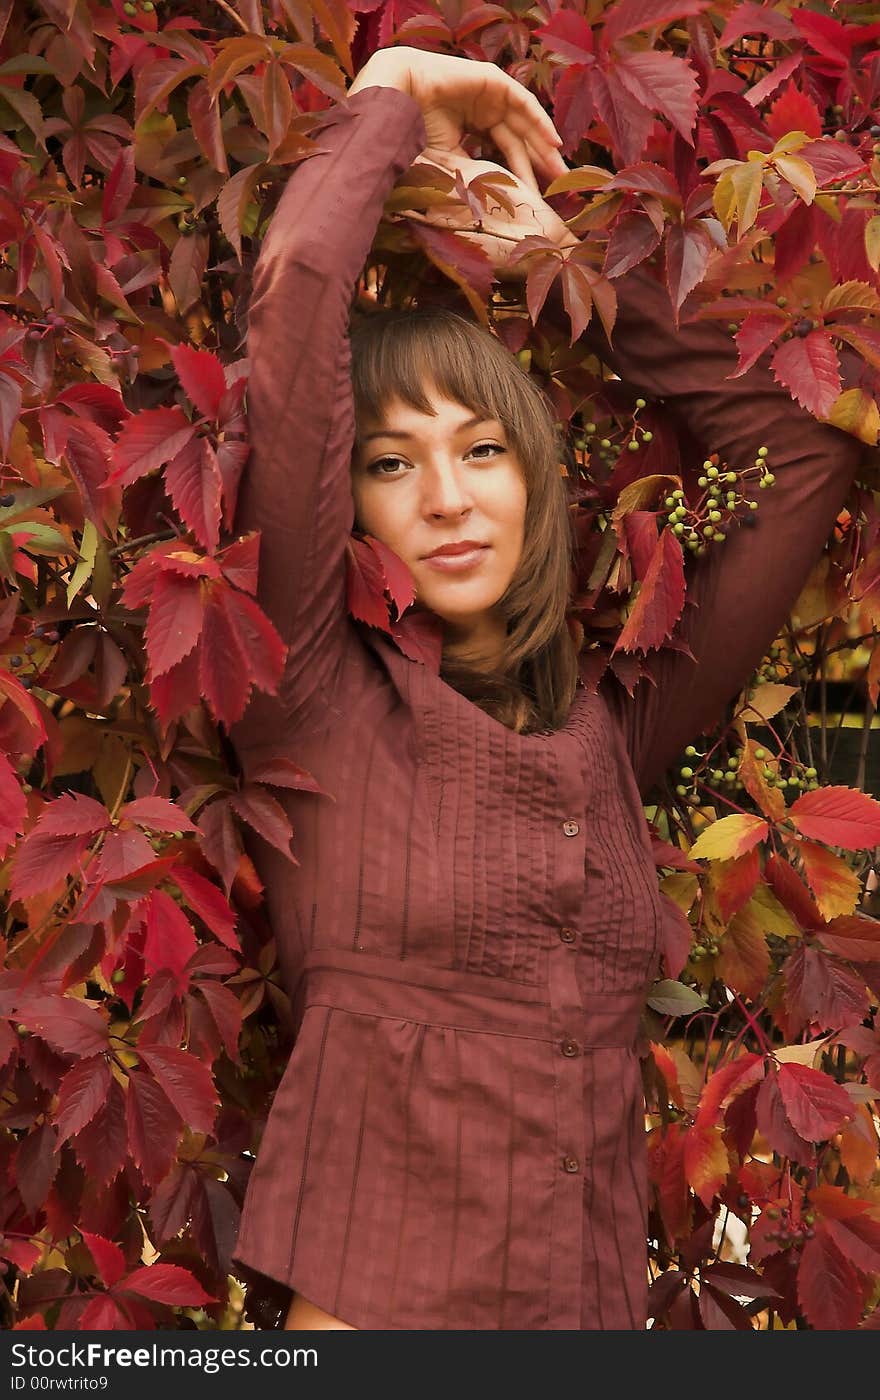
(706,1162)
(835,886)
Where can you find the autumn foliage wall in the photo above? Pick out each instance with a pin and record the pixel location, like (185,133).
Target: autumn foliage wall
(142,1024)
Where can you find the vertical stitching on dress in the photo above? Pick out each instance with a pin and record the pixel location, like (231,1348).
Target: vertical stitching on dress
(505,1263)
(408,864)
(357,1164)
(589,1187)
(456,1202)
(402,1227)
(612,1202)
(363,830)
(310,1120)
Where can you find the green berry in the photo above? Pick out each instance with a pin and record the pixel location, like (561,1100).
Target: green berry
(810,772)
(678,528)
(762,451)
(118,976)
(760,753)
(715,515)
(669,501)
(589,428)
(770,478)
(712,472)
(641,403)
(731,476)
(148,6)
(606,443)
(690,751)
(681,790)
(753,505)
(702,481)
(687,772)
(129,8)
(718,536)
(708,529)
(782,301)
(633,445)
(733,327)
(647,437)
(707,464)
(733,763)
(717,774)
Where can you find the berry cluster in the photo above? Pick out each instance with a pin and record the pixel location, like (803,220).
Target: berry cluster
(146,5)
(604,448)
(727,778)
(789,1232)
(776,664)
(708,521)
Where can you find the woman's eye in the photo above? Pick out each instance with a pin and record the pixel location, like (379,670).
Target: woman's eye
(493,447)
(382,462)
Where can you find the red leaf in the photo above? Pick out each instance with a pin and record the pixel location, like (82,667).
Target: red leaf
(809,368)
(795,240)
(774,1125)
(676,936)
(577,297)
(201,374)
(688,247)
(88,452)
(791,891)
(72,814)
(166,1283)
(793,111)
(170,941)
(223,671)
(157,814)
(838,816)
(36,1165)
(109,1258)
(102,1147)
(397,575)
(204,118)
(631,16)
(174,623)
(226,1013)
(820,989)
(660,601)
(119,186)
(814,1104)
(633,238)
(186,271)
(265,814)
(102,1315)
(206,900)
(148,440)
(852,1224)
(122,853)
(256,636)
(153,1126)
(66,1023)
(13,807)
(829,1291)
(758,332)
(856,938)
(706,1162)
(832,160)
(81,1093)
(194,483)
(750,18)
(662,83)
(365,584)
(187,1083)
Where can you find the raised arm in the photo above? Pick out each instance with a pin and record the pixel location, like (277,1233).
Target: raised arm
(296,487)
(742,589)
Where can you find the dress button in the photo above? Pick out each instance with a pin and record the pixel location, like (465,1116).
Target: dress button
(570,1047)
(568,935)
(571,1164)
(570,828)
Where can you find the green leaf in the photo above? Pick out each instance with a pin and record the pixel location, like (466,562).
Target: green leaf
(672,998)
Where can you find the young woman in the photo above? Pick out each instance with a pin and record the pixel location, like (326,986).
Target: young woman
(471,925)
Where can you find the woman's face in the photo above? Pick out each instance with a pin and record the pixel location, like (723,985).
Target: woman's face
(423,481)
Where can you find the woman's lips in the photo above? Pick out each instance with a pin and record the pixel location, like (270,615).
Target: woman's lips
(457,563)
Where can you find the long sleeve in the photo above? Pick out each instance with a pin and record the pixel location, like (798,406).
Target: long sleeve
(296,487)
(742,590)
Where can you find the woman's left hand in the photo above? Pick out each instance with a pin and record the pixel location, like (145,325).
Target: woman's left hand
(502,231)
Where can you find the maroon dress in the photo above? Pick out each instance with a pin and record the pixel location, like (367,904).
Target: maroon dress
(458,1140)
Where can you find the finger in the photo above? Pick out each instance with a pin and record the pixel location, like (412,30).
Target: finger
(514,150)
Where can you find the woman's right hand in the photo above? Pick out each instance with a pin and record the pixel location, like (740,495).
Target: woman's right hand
(459,94)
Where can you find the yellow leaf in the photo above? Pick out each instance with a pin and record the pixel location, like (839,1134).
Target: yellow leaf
(801,1054)
(744,959)
(768,700)
(585,177)
(852,296)
(872,242)
(729,837)
(641,493)
(771,915)
(856,412)
(791,141)
(799,175)
(748,184)
(682,888)
(83,570)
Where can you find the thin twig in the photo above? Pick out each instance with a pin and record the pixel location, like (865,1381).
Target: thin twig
(233,15)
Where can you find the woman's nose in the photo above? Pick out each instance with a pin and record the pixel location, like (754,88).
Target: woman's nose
(444,491)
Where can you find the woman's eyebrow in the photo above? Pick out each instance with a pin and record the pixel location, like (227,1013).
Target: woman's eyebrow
(387,432)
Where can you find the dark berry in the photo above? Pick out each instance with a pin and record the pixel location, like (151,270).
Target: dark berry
(7,499)
(803,327)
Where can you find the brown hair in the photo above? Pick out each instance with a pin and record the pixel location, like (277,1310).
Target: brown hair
(396,353)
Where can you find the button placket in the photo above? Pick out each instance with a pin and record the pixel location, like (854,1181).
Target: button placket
(567,1015)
